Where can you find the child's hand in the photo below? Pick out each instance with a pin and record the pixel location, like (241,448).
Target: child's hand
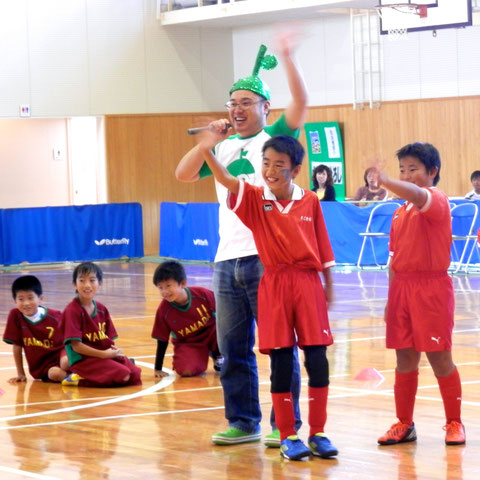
(119,350)
(328,288)
(113,352)
(17,379)
(286,41)
(218,130)
(160,374)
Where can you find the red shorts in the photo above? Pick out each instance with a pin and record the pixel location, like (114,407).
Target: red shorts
(420,312)
(192,356)
(291,309)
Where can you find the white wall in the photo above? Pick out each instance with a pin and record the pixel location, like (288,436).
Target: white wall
(95,57)
(422,66)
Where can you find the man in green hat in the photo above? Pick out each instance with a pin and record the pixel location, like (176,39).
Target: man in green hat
(237,266)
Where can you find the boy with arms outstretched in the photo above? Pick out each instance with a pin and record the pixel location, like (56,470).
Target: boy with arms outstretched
(89,336)
(35,329)
(188,315)
(420,307)
(292,241)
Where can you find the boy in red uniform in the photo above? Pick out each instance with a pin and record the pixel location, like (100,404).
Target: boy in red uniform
(292,241)
(89,337)
(188,314)
(35,329)
(419,311)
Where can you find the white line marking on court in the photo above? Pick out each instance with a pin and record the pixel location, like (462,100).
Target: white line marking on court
(164,382)
(26,474)
(375,452)
(112,417)
(352,392)
(362,339)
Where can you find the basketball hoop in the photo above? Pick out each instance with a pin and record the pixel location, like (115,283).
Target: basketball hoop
(406,8)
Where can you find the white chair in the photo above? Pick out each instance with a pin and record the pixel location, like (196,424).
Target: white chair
(475,248)
(378,226)
(464,216)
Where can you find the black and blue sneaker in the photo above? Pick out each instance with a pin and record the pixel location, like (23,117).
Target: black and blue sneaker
(293,448)
(321,446)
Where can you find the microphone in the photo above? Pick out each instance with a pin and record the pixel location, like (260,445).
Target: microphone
(195,131)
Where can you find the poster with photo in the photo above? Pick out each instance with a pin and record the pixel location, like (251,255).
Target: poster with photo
(324,146)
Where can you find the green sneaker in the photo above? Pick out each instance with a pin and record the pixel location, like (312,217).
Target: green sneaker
(233,436)
(273,439)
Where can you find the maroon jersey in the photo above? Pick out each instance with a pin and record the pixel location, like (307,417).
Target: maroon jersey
(96,331)
(42,341)
(187,323)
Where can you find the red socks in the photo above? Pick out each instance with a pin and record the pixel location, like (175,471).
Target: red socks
(405,390)
(451,391)
(317,409)
(284,415)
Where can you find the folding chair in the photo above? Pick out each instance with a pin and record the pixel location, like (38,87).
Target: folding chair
(378,226)
(475,248)
(464,216)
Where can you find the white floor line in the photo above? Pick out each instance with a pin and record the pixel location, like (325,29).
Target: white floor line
(25,474)
(164,382)
(112,417)
(350,392)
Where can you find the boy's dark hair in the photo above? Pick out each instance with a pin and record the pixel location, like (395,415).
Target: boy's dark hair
(475,174)
(26,283)
(85,268)
(169,270)
(425,153)
(288,145)
(320,169)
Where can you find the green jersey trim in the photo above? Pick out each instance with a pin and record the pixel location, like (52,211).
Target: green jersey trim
(186,307)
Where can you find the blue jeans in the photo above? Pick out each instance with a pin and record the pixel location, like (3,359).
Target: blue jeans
(235,284)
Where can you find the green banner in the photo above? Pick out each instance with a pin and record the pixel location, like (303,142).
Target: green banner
(324,142)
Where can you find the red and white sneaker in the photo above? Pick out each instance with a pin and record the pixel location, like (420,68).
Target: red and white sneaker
(455,433)
(398,433)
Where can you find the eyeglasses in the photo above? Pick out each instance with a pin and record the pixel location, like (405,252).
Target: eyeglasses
(246,104)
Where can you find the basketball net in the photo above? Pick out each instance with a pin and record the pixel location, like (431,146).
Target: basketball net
(395,34)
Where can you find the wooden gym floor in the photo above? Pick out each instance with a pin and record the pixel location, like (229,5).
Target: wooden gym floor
(162,429)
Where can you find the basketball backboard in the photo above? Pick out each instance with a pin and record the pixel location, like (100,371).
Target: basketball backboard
(418,15)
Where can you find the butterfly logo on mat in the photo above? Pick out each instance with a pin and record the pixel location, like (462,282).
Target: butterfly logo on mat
(101,242)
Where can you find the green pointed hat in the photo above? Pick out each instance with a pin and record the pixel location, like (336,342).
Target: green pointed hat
(254,83)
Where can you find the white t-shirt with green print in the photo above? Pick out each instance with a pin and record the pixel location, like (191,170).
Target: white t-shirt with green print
(243,158)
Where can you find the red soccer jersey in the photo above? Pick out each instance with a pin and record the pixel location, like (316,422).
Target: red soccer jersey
(290,235)
(42,341)
(185,323)
(420,240)
(96,331)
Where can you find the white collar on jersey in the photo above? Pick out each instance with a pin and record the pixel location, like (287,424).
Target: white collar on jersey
(297,194)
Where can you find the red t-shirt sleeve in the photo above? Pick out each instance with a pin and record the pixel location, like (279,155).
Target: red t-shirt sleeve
(160,330)
(243,204)
(72,321)
(13,331)
(437,205)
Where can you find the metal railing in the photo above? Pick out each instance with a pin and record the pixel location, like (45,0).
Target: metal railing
(171,5)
